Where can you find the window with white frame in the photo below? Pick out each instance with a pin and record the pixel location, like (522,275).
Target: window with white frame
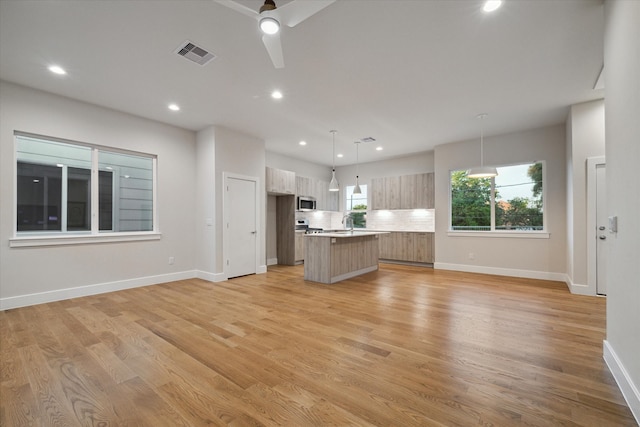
(56,193)
(512,201)
(356,205)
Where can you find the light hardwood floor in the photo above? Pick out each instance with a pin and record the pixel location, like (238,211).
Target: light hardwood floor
(402,346)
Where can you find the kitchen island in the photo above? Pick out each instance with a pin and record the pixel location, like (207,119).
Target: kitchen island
(332,257)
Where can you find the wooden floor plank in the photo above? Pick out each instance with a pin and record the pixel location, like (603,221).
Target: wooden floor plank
(403,345)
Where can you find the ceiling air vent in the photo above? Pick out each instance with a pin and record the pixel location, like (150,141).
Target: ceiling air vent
(368,139)
(194,53)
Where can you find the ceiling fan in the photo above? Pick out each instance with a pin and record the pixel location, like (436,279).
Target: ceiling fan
(270,18)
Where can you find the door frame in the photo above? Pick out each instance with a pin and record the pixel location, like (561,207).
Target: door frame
(225,220)
(592,232)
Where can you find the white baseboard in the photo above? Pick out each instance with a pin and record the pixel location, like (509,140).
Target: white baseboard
(579,289)
(83,291)
(261,269)
(272,261)
(527,274)
(625,383)
(211,277)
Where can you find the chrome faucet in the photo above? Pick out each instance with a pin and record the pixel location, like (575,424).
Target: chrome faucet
(349,219)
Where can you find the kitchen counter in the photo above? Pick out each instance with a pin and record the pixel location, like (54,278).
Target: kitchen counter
(348,233)
(335,256)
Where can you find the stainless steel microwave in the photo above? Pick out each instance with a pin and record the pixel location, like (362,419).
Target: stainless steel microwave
(306,203)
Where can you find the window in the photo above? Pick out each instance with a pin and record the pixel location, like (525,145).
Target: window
(56,192)
(512,201)
(356,205)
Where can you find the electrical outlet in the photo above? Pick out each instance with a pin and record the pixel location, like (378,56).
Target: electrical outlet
(472,255)
(171,260)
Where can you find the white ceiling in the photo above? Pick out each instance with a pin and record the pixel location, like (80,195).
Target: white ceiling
(411,74)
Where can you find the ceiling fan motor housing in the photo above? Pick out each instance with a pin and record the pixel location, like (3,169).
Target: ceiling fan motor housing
(268,5)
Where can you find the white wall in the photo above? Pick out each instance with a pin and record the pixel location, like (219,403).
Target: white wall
(525,257)
(622,117)
(240,154)
(206,205)
(300,167)
(29,275)
(585,138)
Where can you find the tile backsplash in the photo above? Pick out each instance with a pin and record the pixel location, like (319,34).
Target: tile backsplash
(384,220)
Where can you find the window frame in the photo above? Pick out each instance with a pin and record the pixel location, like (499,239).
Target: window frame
(93,235)
(357,211)
(493,233)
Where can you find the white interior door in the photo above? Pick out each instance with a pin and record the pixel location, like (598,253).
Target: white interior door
(601,233)
(241,227)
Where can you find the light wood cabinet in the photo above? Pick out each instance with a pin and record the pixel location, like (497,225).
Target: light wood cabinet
(304,186)
(402,192)
(322,195)
(392,192)
(407,246)
(376,194)
(280,181)
(425,191)
(299,250)
(285,229)
(325,200)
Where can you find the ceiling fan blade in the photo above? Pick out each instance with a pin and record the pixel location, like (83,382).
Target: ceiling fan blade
(291,14)
(239,8)
(274,49)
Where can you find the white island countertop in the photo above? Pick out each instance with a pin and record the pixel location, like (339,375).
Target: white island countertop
(347,233)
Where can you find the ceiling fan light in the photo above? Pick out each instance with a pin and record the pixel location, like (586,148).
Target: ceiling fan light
(269,25)
(482,172)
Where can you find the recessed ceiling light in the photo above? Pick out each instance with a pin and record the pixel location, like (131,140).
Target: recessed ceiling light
(60,165)
(276,94)
(491,5)
(56,69)
(302,142)
(36,181)
(378,148)
(174,107)
(340,155)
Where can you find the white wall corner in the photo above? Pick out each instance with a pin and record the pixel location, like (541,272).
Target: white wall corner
(625,383)
(527,274)
(83,291)
(272,261)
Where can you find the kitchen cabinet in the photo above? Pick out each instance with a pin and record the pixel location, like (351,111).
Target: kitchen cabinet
(304,186)
(330,258)
(325,200)
(407,246)
(280,181)
(385,193)
(299,247)
(425,191)
(285,229)
(376,194)
(403,192)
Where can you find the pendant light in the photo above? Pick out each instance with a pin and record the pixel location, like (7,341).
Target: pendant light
(482,171)
(357,189)
(333,185)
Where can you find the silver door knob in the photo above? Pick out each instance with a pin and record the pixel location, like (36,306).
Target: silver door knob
(602,227)
(603,237)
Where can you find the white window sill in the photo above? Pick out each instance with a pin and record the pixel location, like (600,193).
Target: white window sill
(80,239)
(501,234)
